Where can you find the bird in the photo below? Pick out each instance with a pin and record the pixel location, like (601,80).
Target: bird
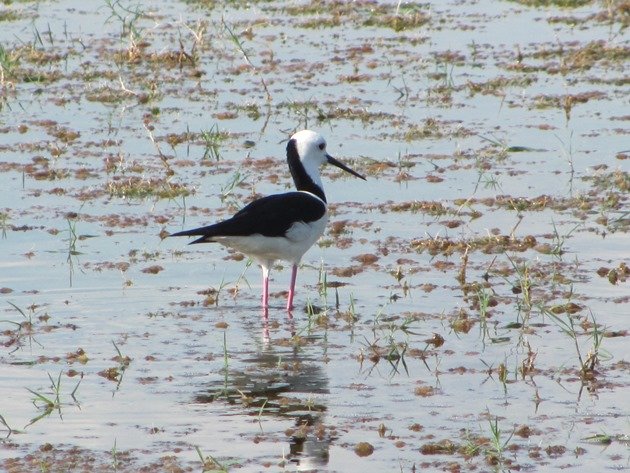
(280,226)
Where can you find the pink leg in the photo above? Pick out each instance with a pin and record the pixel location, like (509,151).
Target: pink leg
(292,288)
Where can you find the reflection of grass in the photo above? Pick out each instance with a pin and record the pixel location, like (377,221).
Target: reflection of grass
(48,402)
(6,425)
(45,402)
(568,326)
(72,239)
(24,329)
(323,285)
(387,343)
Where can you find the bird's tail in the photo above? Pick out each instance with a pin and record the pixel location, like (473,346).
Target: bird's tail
(203,232)
(195,231)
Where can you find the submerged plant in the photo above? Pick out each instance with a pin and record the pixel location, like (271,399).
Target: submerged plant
(23,329)
(10,430)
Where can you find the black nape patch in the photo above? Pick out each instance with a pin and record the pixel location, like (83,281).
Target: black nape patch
(302,180)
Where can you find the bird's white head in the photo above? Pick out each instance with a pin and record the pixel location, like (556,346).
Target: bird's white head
(306,152)
(311,147)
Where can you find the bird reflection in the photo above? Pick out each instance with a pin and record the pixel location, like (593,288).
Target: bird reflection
(284,380)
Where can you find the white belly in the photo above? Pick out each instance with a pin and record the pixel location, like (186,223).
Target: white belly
(291,247)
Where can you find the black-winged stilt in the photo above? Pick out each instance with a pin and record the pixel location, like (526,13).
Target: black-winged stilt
(281,226)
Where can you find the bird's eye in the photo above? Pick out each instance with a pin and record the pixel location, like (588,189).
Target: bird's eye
(322,146)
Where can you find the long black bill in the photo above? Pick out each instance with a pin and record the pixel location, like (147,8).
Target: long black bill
(340,165)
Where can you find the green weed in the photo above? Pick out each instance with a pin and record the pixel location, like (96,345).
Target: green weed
(497,443)
(123,363)
(212,140)
(114,452)
(305,111)
(522,288)
(23,329)
(210,464)
(236,179)
(127,16)
(48,402)
(8,65)
(136,187)
(559,240)
(240,45)
(568,326)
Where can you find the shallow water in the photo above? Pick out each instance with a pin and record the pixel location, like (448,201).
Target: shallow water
(487,129)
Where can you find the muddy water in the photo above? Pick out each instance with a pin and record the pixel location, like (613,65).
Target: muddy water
(467,308)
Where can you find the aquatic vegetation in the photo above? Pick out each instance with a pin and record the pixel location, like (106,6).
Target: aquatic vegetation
(212,141)
(556,3)
(137,187)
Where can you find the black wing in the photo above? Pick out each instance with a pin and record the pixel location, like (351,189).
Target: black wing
(270,216)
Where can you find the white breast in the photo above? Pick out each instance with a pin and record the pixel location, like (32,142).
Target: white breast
(297,240)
